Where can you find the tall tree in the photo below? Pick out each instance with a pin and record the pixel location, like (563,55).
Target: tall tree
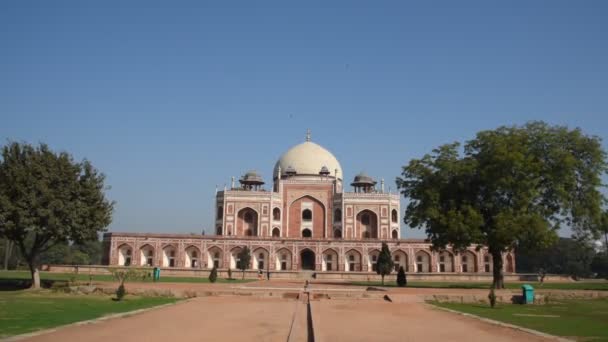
(385,263)
(244,260)
(8,252)
(603,229)
(510,187)
(47,198)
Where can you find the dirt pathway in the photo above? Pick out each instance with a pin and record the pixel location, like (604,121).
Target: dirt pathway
(412,321)
(200,319)
(250,318)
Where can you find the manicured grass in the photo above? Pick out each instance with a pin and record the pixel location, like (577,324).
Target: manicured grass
(583,319)
(8,277)
(26,311)
(598,286)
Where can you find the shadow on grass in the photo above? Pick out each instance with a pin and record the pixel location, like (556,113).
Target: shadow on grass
(9,284)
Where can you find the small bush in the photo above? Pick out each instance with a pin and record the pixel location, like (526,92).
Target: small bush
(120,292)
(492,297)
(401,278)
(213,275)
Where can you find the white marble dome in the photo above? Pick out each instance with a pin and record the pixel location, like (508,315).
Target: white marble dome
(308,158)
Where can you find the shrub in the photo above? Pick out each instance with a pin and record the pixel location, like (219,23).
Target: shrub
(401,277)
(213,275)
(492,297)
(385,263)
(120,292)
(122,275)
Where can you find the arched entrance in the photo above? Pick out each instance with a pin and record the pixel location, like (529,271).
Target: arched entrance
(307,260)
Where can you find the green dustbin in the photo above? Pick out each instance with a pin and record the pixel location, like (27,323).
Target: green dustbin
(156,275)
(528,293)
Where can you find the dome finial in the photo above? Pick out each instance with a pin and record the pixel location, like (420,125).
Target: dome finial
(308,134)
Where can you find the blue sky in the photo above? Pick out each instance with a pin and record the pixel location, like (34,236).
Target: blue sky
(170,99)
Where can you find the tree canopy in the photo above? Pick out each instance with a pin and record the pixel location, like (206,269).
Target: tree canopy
(509,187)
(46,198)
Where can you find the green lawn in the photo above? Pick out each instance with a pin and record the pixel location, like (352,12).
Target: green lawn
(599,286)
(26,311)
(583,319)
(8,278)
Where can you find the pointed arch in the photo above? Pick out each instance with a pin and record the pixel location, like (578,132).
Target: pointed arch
(234,257)
(445,261)
(147,254)
(394,216)
(367,224)
(468,262)
(352,260)
(372,259)
(283,258)
(423,261)
(125,254)
(337,233)
(247,222)
(329,260)
(276,214)
(215,256)
(307,259)
(260,256)
(276,232)
(169,255)
(193,256)
(306,213)
(400,259)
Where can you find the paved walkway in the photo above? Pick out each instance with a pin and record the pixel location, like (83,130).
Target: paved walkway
(243,318)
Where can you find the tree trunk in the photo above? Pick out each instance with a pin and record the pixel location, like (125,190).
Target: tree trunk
(7,253)
(383,280)
(498,281)
(243,275)
(606,241)
(35,276)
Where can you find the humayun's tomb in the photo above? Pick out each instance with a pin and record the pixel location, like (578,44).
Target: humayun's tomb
(308,221)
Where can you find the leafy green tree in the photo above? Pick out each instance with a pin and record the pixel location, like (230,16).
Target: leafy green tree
(213,275)
(569,256)
(79,258)
(384,264)
(510,187)
(47,198)
(401,277)
(92,248)
(58,254)
(244,260)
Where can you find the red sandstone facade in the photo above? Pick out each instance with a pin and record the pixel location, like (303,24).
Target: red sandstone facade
(306,222)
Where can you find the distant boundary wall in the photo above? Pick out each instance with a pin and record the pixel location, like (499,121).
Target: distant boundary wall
(319,276)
